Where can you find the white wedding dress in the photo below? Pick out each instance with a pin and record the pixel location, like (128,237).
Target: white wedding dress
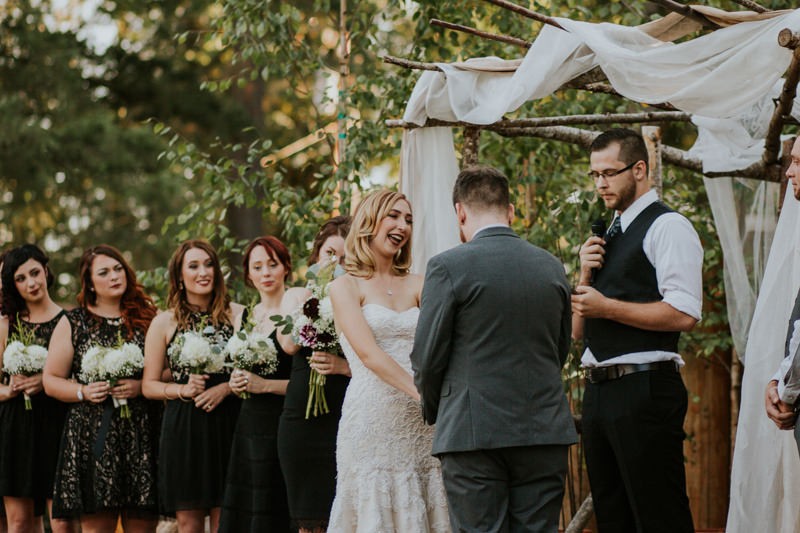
(387,481)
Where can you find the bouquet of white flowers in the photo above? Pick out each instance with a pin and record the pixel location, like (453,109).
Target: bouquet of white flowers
(23,356)
(312,326)
(198,351)
(122,361)
(252,350)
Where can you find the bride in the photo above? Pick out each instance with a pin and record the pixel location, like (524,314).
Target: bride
(387,479)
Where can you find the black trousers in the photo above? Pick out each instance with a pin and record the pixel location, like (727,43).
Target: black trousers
(517,489)
(633,440)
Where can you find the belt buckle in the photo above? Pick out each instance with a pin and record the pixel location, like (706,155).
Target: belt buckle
(597,374)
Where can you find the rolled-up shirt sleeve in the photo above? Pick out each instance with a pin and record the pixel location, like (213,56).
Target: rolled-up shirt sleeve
(673,247)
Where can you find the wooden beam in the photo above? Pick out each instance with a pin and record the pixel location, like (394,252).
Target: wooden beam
(673,156)
(525,12)
(608,118)
(787,39)
(687,12)
(522,43)
(752,6)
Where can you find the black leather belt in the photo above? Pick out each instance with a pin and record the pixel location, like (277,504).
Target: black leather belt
(605,373)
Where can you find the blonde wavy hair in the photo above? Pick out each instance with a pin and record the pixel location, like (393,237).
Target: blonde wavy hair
(359,259)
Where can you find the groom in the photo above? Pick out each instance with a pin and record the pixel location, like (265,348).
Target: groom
(493,333)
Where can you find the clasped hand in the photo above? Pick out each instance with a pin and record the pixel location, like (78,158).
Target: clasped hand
(327,363)
(778,411)
(30,385)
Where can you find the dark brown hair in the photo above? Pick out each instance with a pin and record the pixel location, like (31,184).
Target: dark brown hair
(481,187)
(631,145)
(13,304)
(136,306)
(339,225)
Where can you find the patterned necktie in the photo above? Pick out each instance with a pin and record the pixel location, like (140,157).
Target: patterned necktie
(615,229)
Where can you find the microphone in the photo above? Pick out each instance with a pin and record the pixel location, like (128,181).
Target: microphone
(598,230)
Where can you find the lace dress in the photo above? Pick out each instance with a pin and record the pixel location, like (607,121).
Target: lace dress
(30,438)
(195,444)
(106,463)
(255,493)
(387,480)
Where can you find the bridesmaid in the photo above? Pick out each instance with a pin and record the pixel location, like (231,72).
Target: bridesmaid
(201,412)
(107,464)
(255,493)
(307,447)
(29,440)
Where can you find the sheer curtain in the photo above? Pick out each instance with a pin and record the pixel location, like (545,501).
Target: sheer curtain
(727,79)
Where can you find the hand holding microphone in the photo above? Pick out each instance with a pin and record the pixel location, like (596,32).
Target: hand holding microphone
(598,230)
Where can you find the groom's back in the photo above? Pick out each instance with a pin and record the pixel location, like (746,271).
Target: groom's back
(511,335)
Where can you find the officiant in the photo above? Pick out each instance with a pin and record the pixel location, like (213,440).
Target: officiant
(640,286)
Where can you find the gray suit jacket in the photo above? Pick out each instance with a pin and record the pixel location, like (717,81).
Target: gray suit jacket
(493,333)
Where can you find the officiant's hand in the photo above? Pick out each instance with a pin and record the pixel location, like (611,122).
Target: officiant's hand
(591,255)
(588,302)
(778,411)
(127,388)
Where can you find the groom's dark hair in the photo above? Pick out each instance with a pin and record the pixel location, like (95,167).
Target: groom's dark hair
(481,187)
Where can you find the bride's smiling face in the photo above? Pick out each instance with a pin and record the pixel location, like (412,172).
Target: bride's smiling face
(393,230)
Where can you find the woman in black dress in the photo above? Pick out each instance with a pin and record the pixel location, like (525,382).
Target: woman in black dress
(201,411)
(255,493)
(307,447)
(30,438)
(107,464)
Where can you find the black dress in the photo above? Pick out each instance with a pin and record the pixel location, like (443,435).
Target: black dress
(307,448)
(255,493)
(195,444)
(107,463)
(29,441)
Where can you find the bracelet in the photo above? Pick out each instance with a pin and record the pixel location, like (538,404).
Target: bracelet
(181,396)
(166,396)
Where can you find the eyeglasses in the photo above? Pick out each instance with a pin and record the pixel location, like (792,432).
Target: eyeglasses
(609,173)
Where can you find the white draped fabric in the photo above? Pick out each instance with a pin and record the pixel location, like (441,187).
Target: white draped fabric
(727,79)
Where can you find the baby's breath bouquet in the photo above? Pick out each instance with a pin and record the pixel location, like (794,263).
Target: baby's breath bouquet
(199,351)
(23,356)
(122,361)
(312,326)
(253,351)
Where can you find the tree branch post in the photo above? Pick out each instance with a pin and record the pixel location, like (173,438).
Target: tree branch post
(787,39)
(582,517)
(469,152)
(752,6)
(652,139)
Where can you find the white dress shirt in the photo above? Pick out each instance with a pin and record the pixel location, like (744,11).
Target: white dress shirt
(672,246)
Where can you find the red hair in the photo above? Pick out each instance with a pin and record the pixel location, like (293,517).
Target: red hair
(136,307)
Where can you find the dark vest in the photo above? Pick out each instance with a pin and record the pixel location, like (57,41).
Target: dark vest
(627,275)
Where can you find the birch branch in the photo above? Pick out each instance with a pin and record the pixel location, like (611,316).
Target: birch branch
(687,12)
(752,6)
(522,43)
(525,12)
